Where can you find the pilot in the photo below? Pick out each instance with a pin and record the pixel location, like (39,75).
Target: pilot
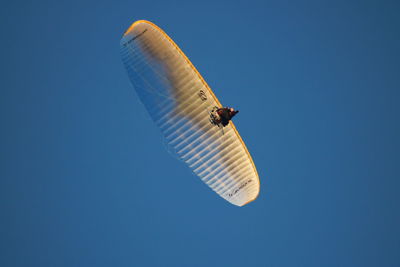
(225,115)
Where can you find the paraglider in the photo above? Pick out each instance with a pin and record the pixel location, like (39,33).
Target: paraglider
(190,117)
(222,116)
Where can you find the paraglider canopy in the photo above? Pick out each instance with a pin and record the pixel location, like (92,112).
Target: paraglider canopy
(180,102)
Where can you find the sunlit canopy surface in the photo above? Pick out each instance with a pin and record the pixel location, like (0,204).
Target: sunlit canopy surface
(179,101)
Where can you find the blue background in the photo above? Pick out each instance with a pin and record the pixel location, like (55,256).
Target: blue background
(87,181)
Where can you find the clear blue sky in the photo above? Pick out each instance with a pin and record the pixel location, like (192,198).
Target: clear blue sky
(87,181)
